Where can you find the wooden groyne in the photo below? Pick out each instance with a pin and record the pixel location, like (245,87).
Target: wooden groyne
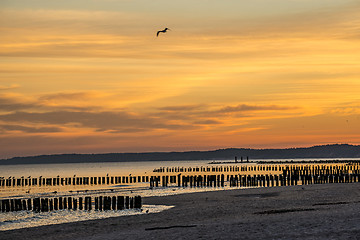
(166,175)
(264,166)
(71,203)
(70,181)
(290,175)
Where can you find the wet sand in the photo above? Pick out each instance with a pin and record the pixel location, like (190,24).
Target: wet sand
(328,211)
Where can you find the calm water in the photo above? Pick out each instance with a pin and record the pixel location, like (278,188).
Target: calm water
(23,219)
(119,169)
(92,169)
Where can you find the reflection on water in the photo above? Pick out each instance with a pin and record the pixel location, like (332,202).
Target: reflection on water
(25,219)
(92,169)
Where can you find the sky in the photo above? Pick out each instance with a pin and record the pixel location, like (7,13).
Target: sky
(90,76)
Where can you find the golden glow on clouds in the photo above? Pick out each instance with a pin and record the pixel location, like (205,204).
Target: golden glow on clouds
(97,79)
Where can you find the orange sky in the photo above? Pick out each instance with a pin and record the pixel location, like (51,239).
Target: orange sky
(91,76)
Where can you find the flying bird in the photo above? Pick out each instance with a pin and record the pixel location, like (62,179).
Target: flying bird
(162,31)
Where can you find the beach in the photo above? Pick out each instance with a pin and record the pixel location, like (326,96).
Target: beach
(324,211)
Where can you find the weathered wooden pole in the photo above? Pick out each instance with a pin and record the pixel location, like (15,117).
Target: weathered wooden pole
(113,203)
(61,204)
(70,202)
(65,202)
(36,204)
(75,202)
(131,203)
(96,203)
(80,203)
(56,204)
(88,203)
(127,202)
(29,206)
(100,203)
(120,203)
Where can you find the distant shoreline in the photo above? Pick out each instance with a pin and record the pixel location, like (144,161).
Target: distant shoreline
(323,151)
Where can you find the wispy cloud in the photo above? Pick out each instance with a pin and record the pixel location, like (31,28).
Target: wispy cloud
(26,129)
(247,108)
(181,117)
(13,86)
(10,102)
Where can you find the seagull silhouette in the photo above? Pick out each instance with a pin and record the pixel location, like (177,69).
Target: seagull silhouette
(162,31)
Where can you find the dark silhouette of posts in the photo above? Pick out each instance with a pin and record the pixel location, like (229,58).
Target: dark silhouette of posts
(113,203)
(127,202)
(120,202)
(88,203)
(138,203)
(80,203)
(96,203)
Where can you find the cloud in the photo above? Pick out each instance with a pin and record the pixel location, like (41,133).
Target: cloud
(345,109)
(13,86)
(207,122)
(78,101)
(12,103)
(102,121)
(83,96)
(252,108)
(60,112)
(181,108)
(216,111)
(6,128)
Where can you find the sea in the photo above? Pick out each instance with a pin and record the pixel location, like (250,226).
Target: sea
(26,219)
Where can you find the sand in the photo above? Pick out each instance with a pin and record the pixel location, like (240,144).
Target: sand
(328,211)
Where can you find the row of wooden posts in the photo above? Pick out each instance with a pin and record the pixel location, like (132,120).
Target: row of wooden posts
(312,169)
(71,203)
(260,167)
(295,177)
(61,181)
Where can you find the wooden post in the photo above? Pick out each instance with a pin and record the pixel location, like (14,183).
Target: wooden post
(70,202)
(36,203)
(29,206)
(138,203)
(61,205)
(56,204)
(50,205)
(74,203)
(131,203)
(12,205)
(107,203)
(113,203)
(65,203)
(100,203)
(80,203)
(18,205)
(96,203)
(5,205)
(127,202)
(88,203)
(120,203)
(44,204)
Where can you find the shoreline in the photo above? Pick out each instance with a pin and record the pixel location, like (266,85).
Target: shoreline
(308,212)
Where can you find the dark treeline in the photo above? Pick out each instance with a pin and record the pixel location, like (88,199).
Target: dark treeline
(323,151)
